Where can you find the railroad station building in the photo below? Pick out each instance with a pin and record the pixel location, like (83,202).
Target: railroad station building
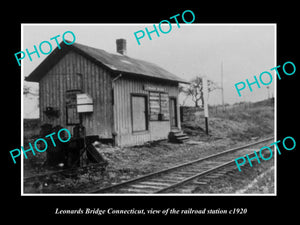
(130,101)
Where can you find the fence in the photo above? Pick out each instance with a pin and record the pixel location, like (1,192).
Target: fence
(219,109)
(190,113)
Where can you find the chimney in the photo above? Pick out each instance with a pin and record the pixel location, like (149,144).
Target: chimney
(121,46)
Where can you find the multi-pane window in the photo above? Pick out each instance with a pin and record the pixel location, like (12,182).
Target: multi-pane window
(159,106)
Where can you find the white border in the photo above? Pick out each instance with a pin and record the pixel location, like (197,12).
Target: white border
(275,111)
(141,24)
(22,114)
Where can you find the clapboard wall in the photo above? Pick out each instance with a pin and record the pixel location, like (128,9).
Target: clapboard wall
(75,72)
(112,115)
(124,87)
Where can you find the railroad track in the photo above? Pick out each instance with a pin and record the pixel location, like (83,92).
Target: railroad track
(164,181)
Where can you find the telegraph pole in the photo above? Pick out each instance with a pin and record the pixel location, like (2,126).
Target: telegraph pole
(222,86)
(205,98)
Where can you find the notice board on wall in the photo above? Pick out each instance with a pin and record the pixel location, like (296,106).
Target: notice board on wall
(72,116)
(159,106)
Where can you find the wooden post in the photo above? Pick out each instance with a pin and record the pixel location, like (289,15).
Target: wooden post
(222,87)
(205,98)
(83,156)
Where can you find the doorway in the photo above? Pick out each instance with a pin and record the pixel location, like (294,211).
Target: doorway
(139,113)
(173,112)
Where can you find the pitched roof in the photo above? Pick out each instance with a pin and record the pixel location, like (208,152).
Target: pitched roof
(115,62)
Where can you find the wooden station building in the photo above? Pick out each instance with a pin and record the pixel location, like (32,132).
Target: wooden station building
(131,101)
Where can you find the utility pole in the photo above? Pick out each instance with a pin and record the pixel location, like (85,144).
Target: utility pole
(222,86)
(205,98)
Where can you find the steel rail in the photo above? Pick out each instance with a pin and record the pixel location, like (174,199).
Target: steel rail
(204,173)
(151,175)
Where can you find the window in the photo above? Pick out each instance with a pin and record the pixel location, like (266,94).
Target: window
(159,106)
(72,116)
(139,113)
(74,85)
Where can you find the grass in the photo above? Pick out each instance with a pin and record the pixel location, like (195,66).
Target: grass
(238,125)
(263,183)
(258,179)
(228,129)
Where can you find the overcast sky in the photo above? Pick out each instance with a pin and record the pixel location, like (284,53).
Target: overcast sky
(194,49)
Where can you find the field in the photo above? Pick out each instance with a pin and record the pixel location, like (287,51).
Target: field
(239,123)
(227,129)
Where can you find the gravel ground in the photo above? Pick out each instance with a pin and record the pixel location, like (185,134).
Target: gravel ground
(258,179)
(228,130)
(126,163)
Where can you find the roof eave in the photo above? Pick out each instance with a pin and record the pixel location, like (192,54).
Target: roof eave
(57,54)
(150,77)
(37,74)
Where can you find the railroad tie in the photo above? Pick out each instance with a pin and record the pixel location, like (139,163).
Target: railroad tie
(185,173)
(199,182)
(221,173)
(213,176)
(140,186)
(155,184)
(167,180)
(133,191)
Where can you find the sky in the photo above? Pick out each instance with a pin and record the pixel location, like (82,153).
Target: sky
(191,50)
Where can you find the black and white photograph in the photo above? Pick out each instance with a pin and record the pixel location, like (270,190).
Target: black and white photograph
(165,109)
(128,112)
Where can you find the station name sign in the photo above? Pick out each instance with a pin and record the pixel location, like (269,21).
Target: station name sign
(154,88)
(84,103)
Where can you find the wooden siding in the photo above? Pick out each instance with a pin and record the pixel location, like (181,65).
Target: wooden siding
(74,71)
(123,88)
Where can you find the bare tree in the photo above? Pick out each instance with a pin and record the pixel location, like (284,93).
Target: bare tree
(195,90)
(29,90)
(26,90)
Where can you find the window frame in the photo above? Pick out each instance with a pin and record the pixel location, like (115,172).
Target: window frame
(161,116)
(67,106)
(145,96)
